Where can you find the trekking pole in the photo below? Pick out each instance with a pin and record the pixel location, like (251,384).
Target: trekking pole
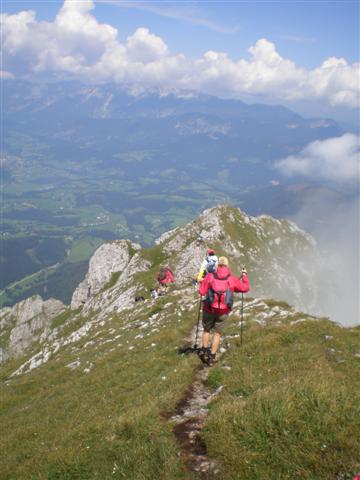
(242,318)
(197,327)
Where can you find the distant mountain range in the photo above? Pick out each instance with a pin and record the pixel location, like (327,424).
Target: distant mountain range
(84,164)
(198,135)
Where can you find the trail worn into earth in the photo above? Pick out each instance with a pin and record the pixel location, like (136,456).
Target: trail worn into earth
(189,417)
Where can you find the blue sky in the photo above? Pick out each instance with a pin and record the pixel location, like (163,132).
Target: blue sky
(300,53)
(306,31)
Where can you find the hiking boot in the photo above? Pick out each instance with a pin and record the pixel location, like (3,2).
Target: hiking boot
(204,353)
(211,359)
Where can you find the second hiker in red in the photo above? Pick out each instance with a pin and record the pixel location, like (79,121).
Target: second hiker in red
(164,278)
(218,289)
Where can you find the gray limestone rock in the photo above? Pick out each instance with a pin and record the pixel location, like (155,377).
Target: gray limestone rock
(25,323)
(109,258)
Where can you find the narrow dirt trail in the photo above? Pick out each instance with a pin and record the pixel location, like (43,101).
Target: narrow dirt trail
(189,418)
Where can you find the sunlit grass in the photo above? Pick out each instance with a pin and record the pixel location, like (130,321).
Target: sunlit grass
(59,423)
(290,406)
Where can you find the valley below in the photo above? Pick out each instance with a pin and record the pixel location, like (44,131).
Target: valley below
(76,175)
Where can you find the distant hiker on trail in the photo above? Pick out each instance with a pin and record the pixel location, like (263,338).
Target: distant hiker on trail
(199,248)
(164,278)
(218,289)
(209,265)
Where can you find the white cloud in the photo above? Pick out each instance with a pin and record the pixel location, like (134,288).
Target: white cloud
(334,220)
(5,75)
(333,159)
(145,47)
(76,44)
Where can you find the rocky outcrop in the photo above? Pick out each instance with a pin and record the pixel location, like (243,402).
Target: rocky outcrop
(26,322)
(108,259)
(209,224)
(103,293)
(278,255)
(181,242)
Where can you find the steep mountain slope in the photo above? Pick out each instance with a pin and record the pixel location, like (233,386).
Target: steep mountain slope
(91,397)
(279,256)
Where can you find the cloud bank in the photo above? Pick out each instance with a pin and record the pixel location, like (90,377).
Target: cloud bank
(76,45)
(333,218)
(332,159)
(335,223)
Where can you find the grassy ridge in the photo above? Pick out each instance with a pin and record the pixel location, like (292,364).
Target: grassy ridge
(59,423)
(290,406)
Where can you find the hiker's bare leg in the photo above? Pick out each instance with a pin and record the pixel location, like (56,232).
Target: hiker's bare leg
(215,342)
(205,339)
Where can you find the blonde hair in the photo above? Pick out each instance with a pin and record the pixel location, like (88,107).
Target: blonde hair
(223,261)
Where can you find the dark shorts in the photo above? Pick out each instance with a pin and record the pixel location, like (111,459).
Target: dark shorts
(214,321)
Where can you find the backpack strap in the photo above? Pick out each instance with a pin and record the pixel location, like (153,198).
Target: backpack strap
(215,275)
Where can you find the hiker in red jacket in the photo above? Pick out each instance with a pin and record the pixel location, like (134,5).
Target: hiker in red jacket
(164,278)
(218,289)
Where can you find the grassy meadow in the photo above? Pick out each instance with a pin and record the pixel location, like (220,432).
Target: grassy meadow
(289,405)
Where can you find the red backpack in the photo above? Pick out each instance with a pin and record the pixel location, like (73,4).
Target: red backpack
(162,273)
(219,294)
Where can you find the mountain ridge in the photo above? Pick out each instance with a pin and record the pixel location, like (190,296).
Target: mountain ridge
(273,251)
(102,384)
(106,92)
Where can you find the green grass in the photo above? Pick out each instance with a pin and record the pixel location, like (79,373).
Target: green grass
(287,409)
(59,423)
(114,278)
(61,319)
(215,378)
(6,332)
(83,248)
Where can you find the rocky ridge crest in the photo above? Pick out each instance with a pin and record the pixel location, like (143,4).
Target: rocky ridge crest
(272,250)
